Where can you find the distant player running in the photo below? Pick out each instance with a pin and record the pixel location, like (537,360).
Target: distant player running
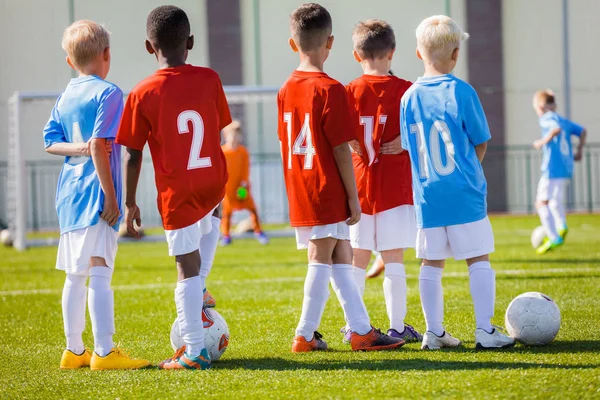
(314,127)
(237,193)
(557,167)
(179,111)
(82,128)
(446,137)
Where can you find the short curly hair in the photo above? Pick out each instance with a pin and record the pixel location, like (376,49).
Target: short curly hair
(167,27)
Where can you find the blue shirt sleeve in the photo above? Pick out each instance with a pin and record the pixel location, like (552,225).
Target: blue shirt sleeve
(53,131)
(473,117)
(403,127)
(109,114)
(572,128)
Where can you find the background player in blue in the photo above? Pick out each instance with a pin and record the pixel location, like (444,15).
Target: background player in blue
(557,167)
(445,132)
(82,128)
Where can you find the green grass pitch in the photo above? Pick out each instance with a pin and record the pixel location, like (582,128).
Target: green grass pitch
(259,292)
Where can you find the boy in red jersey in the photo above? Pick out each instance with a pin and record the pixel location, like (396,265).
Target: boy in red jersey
(382,169)
(179,111)
(314,130)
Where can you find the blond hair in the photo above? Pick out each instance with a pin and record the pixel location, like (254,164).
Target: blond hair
(438,36)
(373,39)
(544,97)
(83,41)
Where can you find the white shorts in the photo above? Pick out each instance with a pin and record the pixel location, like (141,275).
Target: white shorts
(75,248)
(186,240)
(388,230)
(461,241)
(305,234)
(552,189)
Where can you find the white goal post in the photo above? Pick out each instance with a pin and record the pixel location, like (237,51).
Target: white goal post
(256,105)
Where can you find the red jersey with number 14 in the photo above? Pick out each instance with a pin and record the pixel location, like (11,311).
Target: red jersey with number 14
(180,113)
(384,181)
(313,118)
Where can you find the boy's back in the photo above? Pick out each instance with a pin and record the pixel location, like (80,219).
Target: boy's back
(172,110)
(314,117)
(444,121)
(557,159)
(88,108)
(376,101)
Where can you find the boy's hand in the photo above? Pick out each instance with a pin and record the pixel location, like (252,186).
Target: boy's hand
(111,212)
(354,211)
(578,155)
(355,147)
(538,144)
(88,147)
(393,147)
(132,213)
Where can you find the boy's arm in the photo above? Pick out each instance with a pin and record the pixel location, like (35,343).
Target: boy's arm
(75,149)
(100,157)
(539,143)
(343,159)
(480,150)
(579,152)
(133,166)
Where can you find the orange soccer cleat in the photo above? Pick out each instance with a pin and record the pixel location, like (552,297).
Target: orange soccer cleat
(374,340)
(301,345)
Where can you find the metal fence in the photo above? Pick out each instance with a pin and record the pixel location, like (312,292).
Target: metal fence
(521,166)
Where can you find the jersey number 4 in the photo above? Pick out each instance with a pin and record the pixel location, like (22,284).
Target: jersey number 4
(303,145)
(439,128)
(195,161)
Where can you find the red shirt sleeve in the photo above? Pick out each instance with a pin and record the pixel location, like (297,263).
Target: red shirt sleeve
(134,128)
(337,118)
(222,106)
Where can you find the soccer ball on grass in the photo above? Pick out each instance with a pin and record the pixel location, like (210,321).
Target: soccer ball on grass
(537,237)
(532,319)
(216,338)
(6,237)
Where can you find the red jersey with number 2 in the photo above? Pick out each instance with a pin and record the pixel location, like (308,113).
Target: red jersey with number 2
(383,180)
(314,117)
(180,113)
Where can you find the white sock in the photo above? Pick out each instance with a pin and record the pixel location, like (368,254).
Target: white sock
(432,298)
(101,302)
(73,308)
(557,209)
(188,299)
(482,281)
(208,247)
(350,299)
(548,222)
(316,293)
(394,291)
(359,277)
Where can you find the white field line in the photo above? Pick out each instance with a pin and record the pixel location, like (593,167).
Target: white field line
(162,285)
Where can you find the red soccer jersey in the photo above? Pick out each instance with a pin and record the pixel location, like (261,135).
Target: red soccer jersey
(180,113)
(383,181)
(314,117)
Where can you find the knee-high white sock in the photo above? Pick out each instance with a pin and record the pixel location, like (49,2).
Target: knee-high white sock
(547,222)
(557,209)
(482,281)
(188,299)
(432,298)
(359,277)
(350,299)
(316,293)
(208,247)
(394,291)
(73,308)
(101,302)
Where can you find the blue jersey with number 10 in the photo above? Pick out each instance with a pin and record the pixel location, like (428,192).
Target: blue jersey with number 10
(442,120)
(88,108)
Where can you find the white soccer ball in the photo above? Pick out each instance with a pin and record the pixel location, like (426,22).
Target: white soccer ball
(532,319)
(216,337)
(6,237)
(537,236)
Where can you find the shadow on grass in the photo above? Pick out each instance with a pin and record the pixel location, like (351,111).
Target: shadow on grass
(553,276)
(542,260)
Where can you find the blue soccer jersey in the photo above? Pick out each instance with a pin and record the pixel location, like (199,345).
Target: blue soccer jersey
(442,120)
(557,159)
(88,108)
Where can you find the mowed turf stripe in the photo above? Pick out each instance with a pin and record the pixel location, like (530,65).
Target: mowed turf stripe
(149,286)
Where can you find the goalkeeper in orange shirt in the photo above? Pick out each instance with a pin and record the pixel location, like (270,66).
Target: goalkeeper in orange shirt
(237,191)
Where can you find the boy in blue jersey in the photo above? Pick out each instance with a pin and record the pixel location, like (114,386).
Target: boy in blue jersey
(82,128)
(446,134)
(557,167)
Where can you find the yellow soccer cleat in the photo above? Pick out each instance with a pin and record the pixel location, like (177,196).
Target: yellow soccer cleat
(116,359)
(563,232)
(71,360)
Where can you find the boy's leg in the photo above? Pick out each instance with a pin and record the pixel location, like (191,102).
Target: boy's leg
(482,283)
(556,205)
(188,299)
(226,225)
(208,249)
(360,262)
(394,288)
(101,305)
(74,298)
(541,205)
(258,232)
